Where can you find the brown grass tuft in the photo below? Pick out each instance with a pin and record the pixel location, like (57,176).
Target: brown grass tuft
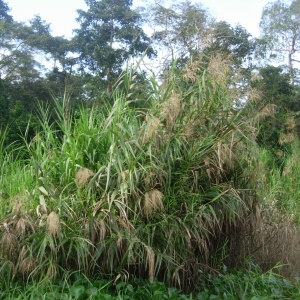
(267,111)
(122,246)
(124,175)
(191,70)
(253,94)
(171,109)
(150,127)
(97,206)
(23,225)
(150,262)
(83,175)
(17,207)
(53,223)
(286,138)
(190,128)
(17,204)
(52,271)
(26,264)
(153,202)
(290,123)
(96,230)
(149,179)
(101,230)
(219,68)
(125,223)
(9,244)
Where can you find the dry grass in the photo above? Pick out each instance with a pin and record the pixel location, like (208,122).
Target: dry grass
(268,239)
(219,68)
(96,231)
(53,224)
(23,224)
(224,158)
(25,263)
(9,244)
(149,180)
(268,110)
(149,129)
(290,123)
(101,230)
(190,129)
(153,202)
(83,176)
(150,258)
(287,138)
(191,70)
(170,110)
(18,204)
(52,271)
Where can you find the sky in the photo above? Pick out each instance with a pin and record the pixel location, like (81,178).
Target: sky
(61,14)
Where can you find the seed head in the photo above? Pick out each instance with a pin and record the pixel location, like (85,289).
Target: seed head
(153,202)
(83,175)
(53,223)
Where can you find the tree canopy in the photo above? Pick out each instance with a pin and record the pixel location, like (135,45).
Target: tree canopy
(109,34)
(37,66)
(280,25)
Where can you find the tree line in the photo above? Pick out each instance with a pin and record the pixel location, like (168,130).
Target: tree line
(37,67)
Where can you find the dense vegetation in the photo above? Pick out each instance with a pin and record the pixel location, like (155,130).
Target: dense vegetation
(113,177)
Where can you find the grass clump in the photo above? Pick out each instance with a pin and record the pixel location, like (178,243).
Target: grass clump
(124,192)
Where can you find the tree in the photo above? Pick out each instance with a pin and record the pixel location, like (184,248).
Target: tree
(276,110)
(237,45)
(182,28)
(17,44)
(233,41)
(109,34)
(22,84)
(4,12)
(4,108)
(280,25)
(38,36)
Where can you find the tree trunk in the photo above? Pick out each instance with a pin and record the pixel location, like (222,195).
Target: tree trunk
(290,60)
(108,69)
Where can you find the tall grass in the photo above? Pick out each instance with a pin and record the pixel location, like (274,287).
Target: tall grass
(120,191)
(287,182)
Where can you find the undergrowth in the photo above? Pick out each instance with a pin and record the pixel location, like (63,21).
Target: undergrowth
(243,285)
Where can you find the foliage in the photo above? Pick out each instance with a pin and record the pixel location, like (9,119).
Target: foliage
(122,191)
(249,284)
(4,12)
(277,105)
(232,41)
(181,28)
(38,36)
(109,34)
(280,26)
(283,185)
(153,180)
